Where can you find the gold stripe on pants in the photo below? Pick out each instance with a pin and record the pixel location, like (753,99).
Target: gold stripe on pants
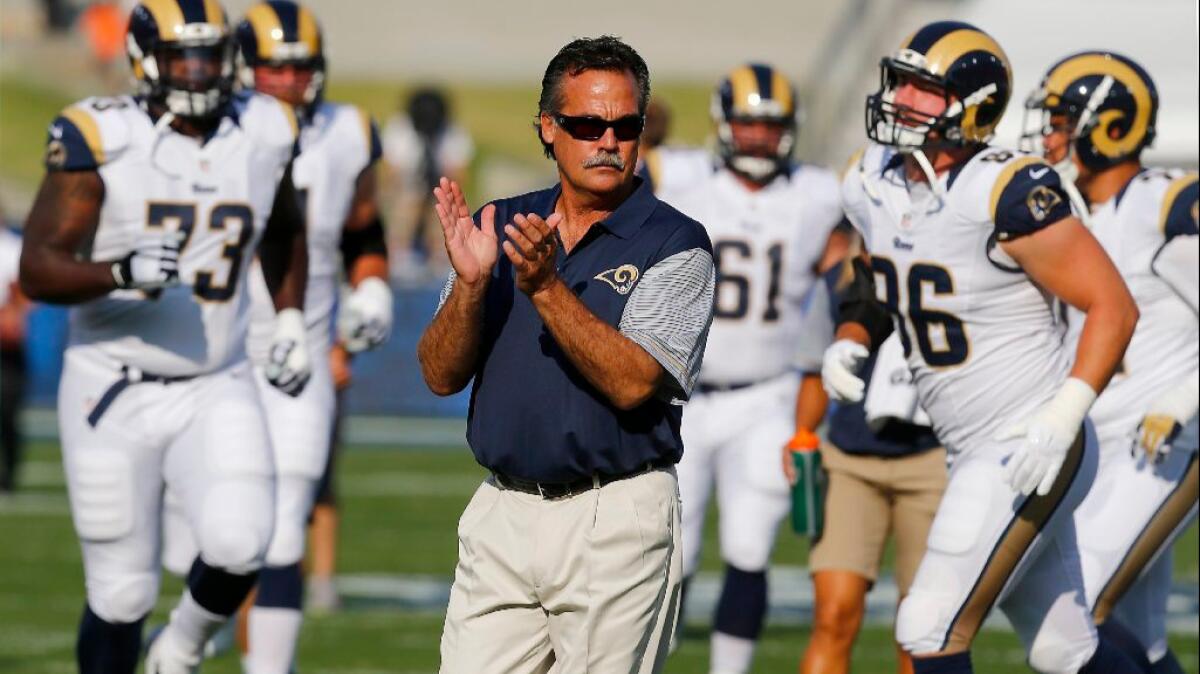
(1154,536)
(1009,551)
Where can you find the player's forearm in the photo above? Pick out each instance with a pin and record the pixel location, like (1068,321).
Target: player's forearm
(449,349)
(811,402)
(64,215)
(368,266)
(1106,333)
(620,369)
(56,277)
(853,331)
(288,261)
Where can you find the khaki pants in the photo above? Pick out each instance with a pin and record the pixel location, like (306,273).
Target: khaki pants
(586,583)
(870,497)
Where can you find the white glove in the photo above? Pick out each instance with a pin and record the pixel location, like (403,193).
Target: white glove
(152,265)
(1165,418)
(1048,434)
(288,367)
(838,370)
(365,320)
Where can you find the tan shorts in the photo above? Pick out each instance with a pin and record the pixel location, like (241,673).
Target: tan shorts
(870,497)
(587,583)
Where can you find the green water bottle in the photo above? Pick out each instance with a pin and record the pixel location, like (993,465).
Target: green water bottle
(808,494)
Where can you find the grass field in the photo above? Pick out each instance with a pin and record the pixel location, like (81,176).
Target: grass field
(399,515)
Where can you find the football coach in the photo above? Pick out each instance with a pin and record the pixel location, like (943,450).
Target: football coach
(581,324)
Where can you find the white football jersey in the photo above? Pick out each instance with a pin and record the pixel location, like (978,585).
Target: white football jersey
(336,145)
(670,168)
(980,337)
(1133,226)
(219,193)
(766,246)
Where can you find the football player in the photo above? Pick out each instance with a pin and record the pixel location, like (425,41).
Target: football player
(1094,113)
(770,220)
(968,244)
(147,221)
(280,53)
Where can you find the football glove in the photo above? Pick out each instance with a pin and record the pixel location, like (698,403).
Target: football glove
(1048,435)
(288,367)
(1165,419)
(152,265)
(839,371)
(365,320)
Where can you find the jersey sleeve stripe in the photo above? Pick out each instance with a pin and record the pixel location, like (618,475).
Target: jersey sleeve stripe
(654,169)
(370,136)
(1005,177)
(290,113)
(852,162)
(1176,210)
(87,126)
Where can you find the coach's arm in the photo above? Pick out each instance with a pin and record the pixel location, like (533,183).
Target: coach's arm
(449,348)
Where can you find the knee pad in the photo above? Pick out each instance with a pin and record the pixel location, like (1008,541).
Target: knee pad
(235,526)
(293,505)
(126,598)
(747,538)
(921,622)
(178,543)
(1053,653)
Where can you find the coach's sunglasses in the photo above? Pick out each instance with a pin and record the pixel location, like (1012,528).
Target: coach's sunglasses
(625,128)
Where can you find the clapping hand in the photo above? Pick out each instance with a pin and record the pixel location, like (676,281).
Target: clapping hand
(532,247)
(472,250)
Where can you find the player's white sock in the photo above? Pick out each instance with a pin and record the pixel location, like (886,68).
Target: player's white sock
(272,633)
(730,654)
(191,626)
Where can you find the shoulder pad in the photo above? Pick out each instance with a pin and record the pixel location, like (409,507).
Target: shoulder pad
(854,163)
(1180,207)
(1025,193)
(269,119)
(360,131)
(89,133)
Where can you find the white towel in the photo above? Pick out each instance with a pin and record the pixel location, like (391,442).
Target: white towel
(891,396)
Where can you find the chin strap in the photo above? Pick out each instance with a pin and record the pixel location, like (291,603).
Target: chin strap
(161,128)
(930,175)
(1078,203)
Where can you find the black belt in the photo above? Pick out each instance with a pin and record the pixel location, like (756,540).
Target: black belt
(723,388)
(129,375)
(550,490)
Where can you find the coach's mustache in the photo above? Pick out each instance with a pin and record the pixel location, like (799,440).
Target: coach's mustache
(605,159)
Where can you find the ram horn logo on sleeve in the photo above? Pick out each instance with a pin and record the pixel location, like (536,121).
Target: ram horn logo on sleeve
(621,279)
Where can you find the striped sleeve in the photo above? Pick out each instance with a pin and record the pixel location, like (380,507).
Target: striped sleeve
(446,291)
(669,314)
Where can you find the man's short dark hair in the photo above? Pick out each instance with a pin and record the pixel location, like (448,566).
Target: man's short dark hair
(589,53)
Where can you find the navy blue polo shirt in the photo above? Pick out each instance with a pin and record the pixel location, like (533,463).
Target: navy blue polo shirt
(642,270)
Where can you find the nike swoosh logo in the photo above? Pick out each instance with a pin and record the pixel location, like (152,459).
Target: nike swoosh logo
(1038,173)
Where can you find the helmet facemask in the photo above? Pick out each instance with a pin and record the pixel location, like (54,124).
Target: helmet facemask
(1038,123)
(192,77)
(759,164)
(903,127)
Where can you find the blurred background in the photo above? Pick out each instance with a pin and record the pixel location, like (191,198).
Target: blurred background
(453,86)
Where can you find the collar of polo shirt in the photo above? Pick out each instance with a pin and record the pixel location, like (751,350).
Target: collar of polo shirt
(629,216)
